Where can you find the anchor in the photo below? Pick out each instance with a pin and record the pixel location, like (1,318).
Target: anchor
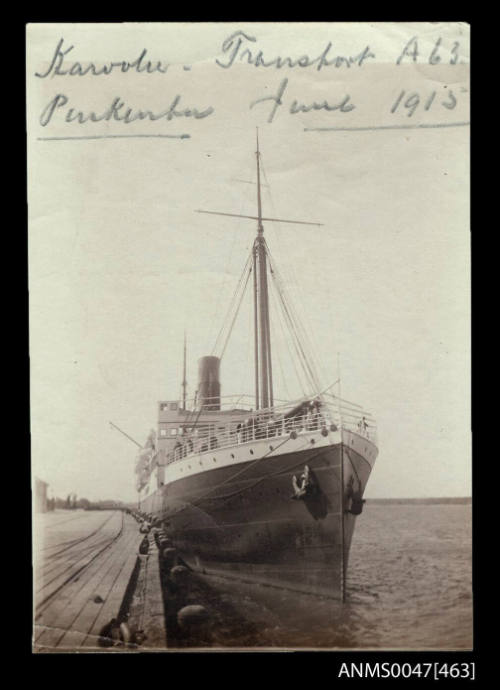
(355,495)
(307,489)
(306,485)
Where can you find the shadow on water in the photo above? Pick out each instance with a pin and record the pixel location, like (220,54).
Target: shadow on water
(242,615)
(408,587)
(225,625)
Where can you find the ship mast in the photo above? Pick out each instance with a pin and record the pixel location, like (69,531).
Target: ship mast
(184,381)
(264,396)
(261,304)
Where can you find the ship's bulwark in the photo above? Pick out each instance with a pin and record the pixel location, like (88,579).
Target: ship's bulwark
(243,520)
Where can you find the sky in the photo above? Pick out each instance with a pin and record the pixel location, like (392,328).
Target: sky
(121,264)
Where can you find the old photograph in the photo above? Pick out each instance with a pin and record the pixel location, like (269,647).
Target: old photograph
(249,306)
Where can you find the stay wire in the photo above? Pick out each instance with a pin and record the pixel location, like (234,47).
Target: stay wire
(304,359)
(232,302)
(293,334)
(236,312)
(300,333)
(280,315)
(293,282)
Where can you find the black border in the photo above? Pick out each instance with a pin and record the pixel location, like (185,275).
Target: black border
(232,668)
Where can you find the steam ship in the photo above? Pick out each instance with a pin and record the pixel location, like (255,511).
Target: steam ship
(253,485)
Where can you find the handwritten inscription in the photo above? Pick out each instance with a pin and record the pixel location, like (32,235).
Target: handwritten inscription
(412,101)
(241,48)
(58,67)
(117,111)
(295,107)
(411,51)
(234,47)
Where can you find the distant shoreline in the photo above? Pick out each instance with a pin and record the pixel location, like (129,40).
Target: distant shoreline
(465,500)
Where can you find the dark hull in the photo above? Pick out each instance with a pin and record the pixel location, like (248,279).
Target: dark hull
(243,520)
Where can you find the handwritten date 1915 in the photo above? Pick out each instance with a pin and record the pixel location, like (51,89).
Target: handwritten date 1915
(413,100)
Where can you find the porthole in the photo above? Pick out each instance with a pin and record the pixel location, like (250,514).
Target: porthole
(232,455)
(271,448)
(251,451)
(201,462)
(313,441)
(215,459)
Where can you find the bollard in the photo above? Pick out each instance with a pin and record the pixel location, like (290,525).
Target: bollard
(158,535)
(194,619)
(169,557)
(125,634)
(179,575)
(109,634)
(144,546)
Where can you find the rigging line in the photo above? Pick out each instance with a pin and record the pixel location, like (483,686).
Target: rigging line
(277,350)
(304,360)
(229,309)
(282,326)
(306,342)
(231,304)
(288,339)
(290,267)
(302,331)
(294,283)
(246,368)
(198,413)
(301,334)
(280,283)
(302,340)
(221,290)
(223,284)
(237,310)
(294,341)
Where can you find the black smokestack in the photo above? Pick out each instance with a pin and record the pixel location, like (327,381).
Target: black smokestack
(208,383)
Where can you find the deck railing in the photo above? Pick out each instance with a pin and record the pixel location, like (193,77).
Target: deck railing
(266,426)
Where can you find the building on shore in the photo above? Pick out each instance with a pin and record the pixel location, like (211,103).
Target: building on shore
(40,496)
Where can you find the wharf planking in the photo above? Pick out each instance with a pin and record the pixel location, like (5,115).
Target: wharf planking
(80,588)
(147,612)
